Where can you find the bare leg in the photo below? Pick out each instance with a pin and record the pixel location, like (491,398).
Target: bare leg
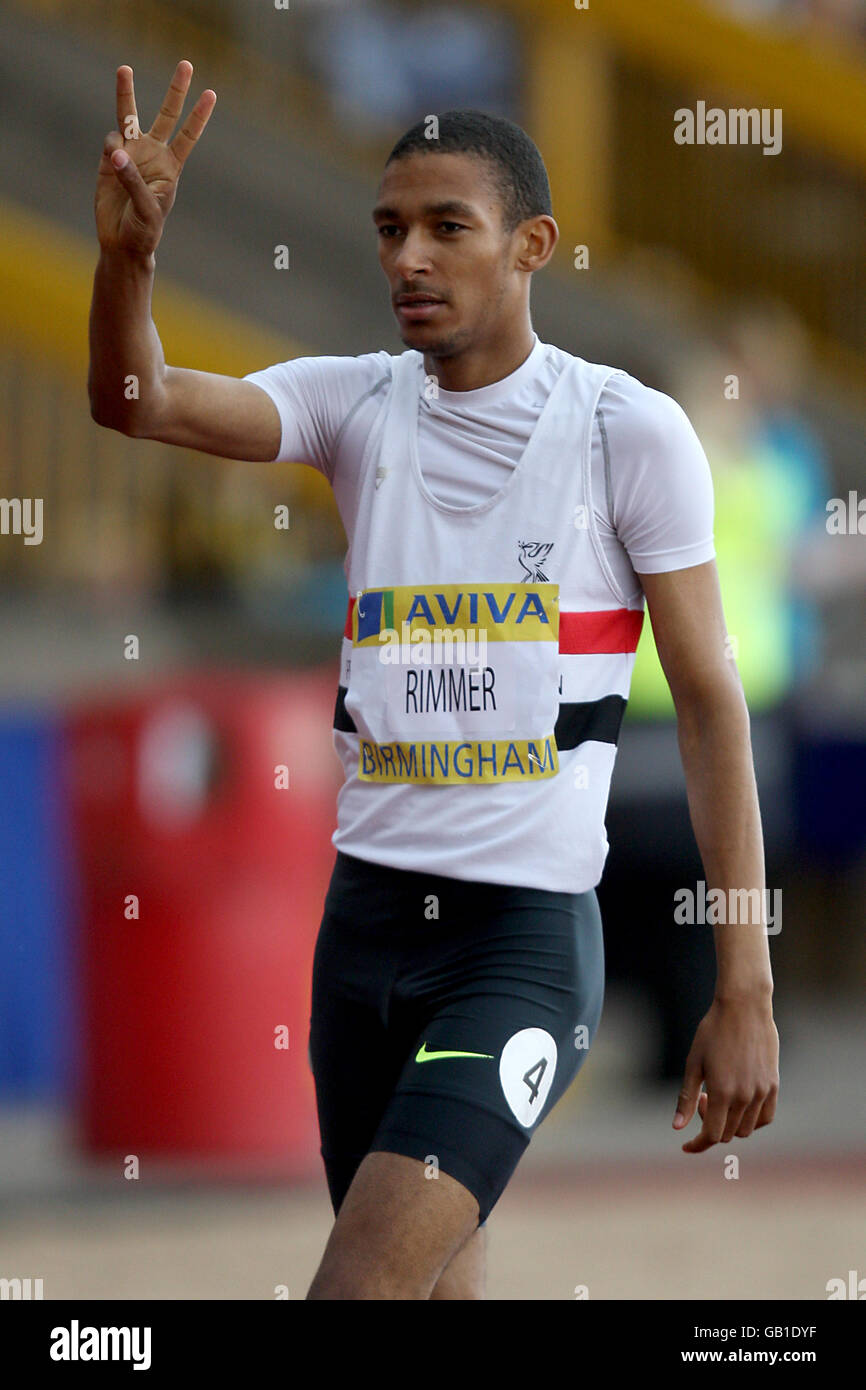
(464,1277)
(395,1232)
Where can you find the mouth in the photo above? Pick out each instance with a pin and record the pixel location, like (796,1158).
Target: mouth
(416,307)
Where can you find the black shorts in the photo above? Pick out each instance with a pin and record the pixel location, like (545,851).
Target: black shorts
(447,1018)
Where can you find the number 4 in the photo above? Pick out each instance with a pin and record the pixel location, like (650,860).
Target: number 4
(541,1067)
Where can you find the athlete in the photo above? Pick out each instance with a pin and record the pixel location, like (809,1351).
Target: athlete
(509,510)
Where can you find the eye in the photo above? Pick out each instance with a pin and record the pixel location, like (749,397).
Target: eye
(386,228)
(453,226)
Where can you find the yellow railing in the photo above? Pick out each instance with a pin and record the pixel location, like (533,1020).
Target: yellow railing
(118,511)
(820,84)
(599,81)
(602,86)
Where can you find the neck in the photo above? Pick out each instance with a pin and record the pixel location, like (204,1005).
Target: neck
(481,366)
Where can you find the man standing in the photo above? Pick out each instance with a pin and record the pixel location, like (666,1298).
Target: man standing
(509,508)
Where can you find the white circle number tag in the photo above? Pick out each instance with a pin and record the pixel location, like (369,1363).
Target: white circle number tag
(526,1071)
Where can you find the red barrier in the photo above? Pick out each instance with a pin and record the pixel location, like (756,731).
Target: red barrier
(203,879)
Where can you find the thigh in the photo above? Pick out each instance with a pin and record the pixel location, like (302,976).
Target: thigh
(356,1058)
(512,999)
(395,1234)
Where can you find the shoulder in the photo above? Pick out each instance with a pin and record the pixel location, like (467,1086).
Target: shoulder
(643,418)
(315,396)
(335,379)
(622,396)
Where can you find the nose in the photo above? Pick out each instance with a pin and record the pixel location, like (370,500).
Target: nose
(413,258)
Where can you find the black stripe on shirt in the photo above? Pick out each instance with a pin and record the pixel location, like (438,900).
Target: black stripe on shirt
(599,720)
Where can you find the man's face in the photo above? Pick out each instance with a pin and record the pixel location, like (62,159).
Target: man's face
(449,263)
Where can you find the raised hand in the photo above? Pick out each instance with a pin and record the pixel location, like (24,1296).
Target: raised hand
(138,172)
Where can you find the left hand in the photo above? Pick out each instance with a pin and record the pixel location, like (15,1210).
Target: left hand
(736,1053)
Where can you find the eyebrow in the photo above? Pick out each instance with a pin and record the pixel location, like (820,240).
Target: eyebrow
(452,205)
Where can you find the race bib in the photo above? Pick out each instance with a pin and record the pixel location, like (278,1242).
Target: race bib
(455,683)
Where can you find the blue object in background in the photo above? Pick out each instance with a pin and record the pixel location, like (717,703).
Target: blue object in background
(829,781)
(38,995)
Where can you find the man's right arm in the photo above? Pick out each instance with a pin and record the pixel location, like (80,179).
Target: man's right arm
(130,387)
(132,390)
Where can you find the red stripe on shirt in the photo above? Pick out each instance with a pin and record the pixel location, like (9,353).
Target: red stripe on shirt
(612,630)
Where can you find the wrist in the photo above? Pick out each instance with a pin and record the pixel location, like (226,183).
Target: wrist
(117,258)
(758,993)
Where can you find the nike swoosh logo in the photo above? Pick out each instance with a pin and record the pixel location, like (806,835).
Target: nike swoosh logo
(424,1056)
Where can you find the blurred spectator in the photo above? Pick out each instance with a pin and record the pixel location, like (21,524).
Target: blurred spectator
(386,64)
(771,346)
(770,485)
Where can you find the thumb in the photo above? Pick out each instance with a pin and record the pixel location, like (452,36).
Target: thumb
(688,1097)
(140,196)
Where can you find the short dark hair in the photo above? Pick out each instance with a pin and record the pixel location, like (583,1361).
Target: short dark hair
(515,161)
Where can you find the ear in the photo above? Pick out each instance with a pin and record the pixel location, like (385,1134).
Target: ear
(536,240)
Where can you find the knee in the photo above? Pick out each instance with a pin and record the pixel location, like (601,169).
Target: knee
(462,1290)
(366,1268)
(341,1278)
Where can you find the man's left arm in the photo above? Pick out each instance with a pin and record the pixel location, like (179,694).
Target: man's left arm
(735,1052)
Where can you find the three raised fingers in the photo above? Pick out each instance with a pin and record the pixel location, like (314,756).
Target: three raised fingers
(169,112)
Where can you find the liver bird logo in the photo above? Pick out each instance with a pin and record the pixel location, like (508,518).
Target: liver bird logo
(532,557)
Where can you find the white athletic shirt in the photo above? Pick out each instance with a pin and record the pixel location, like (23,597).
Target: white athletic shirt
(648,489)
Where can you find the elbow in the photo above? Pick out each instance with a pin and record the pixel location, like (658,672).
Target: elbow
(704,702)
(98,412)
(102,416)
